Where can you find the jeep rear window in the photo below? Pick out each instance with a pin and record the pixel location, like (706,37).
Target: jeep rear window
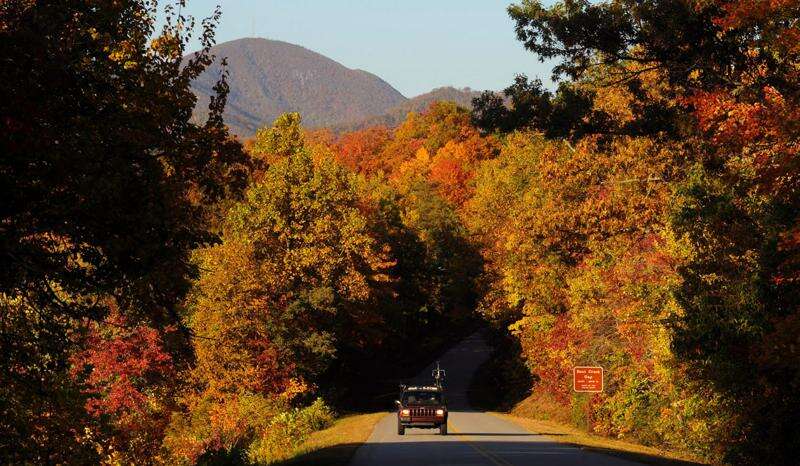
(422,398)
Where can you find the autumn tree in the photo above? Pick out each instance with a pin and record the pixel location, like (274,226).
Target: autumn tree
(572,111)
(128,374)
(741,210)
(725,75)
(273,143)
(431,130)
(106,185)
(528,105)
(439,144)
(580,263)
(297,281)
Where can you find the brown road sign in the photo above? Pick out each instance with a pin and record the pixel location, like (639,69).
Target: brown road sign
(587,379)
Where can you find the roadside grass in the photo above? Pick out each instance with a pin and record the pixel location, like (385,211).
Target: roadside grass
(572,435)
(335,445)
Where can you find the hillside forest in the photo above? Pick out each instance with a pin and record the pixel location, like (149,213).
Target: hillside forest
(171,295)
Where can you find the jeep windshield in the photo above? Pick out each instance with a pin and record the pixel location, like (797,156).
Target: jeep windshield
(422,398)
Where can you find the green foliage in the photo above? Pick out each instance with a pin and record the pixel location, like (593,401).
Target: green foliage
(282,139)
(737,315)
(450,264)
(567,113)
(316,416)
(287,431)
(247,429)
(298,253)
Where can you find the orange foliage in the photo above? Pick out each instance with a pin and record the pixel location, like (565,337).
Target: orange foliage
(439,145)
(360,150)
(453,167)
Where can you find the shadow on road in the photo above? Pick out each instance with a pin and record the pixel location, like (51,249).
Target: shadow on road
(428,451)
(492,434)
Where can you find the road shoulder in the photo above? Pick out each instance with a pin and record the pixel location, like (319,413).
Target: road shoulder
(573,436)
(336,445)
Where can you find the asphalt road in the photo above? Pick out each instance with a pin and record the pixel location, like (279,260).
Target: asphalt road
(475,438)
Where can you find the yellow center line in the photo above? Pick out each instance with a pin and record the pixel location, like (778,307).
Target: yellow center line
(495,460)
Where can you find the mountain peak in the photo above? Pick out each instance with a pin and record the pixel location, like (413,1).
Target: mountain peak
(269,77)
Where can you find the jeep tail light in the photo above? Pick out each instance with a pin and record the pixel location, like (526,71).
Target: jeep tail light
(405,412)
(440,412)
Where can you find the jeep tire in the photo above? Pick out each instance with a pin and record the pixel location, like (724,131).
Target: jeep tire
(401,429)
(443,429)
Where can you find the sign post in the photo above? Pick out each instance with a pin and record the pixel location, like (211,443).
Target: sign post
(587,379)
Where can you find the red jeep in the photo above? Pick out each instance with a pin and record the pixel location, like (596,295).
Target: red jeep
(422,407)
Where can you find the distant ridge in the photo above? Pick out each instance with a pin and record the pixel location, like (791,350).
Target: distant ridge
(270,77)
(394,116)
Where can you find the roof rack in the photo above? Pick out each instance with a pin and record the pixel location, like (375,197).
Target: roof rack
(438,381)
(424,388)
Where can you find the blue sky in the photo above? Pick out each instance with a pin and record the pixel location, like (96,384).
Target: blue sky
(415,45)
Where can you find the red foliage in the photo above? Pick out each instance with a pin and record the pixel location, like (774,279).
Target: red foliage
(127,374)
(741,13)
(274,374)
(555,372)
(765,128)
(120,365)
